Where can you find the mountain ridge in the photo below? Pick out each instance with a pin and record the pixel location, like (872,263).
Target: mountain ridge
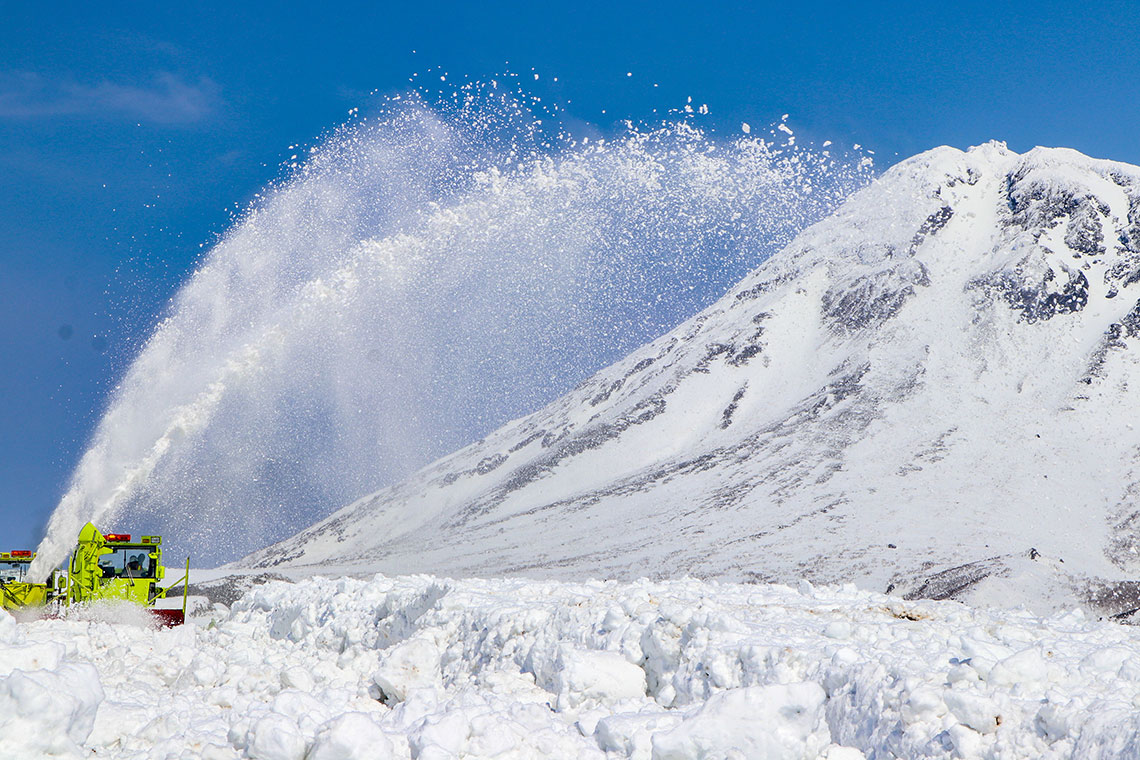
(884,399)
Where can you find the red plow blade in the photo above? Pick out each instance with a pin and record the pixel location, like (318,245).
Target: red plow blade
(168,618)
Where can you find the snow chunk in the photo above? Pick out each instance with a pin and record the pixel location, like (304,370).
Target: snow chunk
(840,629)
(630,733)
(780,722)
(351,736)
(836,752)
(9,630)
(409,665)
(1054,721)
(1025,667)
(1105,663)
(275,737)
(922,704)
(586,675)
(297,678)
(48,712)
(45,655)
(976,712)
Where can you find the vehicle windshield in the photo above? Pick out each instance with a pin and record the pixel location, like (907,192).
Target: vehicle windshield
(124,562)
(13,572)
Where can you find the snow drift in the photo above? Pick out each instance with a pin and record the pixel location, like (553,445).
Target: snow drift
(423,668)
(928,391)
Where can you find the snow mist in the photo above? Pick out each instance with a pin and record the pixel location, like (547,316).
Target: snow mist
(423,276)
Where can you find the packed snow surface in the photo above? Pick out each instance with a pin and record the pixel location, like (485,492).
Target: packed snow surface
(424,667)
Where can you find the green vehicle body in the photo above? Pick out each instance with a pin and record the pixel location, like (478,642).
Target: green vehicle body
(108,567)
(113,567)
(15,591)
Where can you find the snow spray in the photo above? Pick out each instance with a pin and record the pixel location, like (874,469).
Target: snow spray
(420,277)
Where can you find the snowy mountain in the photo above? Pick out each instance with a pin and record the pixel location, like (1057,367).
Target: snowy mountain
(928,391)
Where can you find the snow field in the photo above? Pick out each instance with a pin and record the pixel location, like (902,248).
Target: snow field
(427,668)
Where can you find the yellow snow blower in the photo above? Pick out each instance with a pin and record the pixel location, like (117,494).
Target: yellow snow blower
(102,568)
(15,590)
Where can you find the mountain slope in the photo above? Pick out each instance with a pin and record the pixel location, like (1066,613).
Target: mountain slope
(940,373)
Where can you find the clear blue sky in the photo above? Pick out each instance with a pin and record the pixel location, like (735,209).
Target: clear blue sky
(129,131)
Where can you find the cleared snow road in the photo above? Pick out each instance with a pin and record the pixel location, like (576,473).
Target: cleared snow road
(419,667)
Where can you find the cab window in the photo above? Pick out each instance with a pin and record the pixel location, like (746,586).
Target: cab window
(13,572)
(127,562)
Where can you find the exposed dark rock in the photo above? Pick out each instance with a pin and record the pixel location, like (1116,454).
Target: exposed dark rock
(1030,294)
(971,178)
(1114,339)
(1085,233)
(740,358)
(527,441)
(712,351)
(872,299)
(1037,206)
(643,364)
(609,391)
(949,583)
(726,417)
(931,226)
(488,464)
(763,287)
(1119,600)
(570,446)
(1131,322)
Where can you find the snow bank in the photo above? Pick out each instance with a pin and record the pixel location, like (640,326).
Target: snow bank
(424,668)
(47,701)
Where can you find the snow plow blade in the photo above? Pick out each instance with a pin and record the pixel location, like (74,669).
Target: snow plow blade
(168,618)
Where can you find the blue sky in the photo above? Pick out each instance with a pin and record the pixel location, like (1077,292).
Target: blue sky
(130,132)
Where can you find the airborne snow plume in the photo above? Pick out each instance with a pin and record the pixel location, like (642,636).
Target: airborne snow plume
(426,276)
(931,391)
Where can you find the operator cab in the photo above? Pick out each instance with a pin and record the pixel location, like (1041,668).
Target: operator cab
(14,566)
(127,562)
